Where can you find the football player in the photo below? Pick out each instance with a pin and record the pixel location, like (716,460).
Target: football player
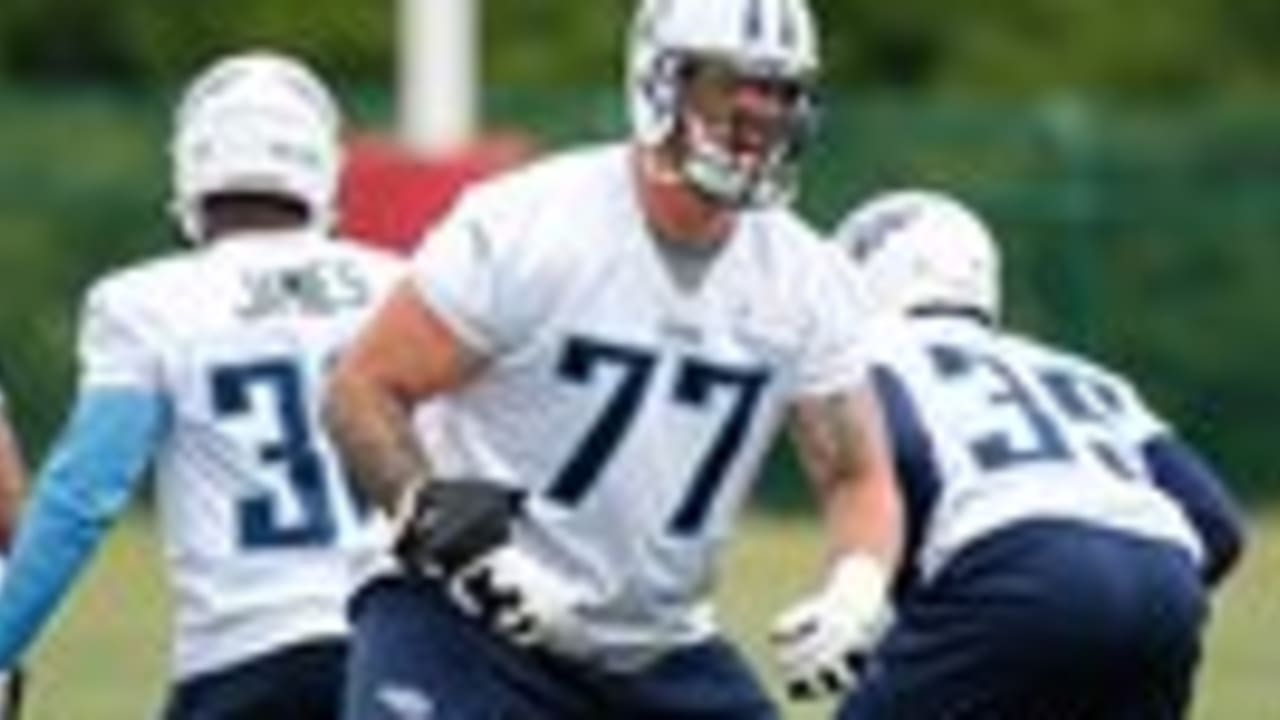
(1062,536)
(13,478)
(209,364)
(610,339)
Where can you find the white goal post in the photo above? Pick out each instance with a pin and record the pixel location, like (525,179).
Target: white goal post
(438,75)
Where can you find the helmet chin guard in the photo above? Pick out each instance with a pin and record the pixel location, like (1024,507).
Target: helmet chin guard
(769,178)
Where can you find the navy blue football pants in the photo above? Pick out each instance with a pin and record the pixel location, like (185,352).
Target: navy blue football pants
(414,654)
(1046,620)
(301,682)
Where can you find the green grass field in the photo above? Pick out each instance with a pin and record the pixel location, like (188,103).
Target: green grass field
(104,657)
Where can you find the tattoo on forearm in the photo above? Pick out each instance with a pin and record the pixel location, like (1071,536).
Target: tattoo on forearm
(840,416)
(377,445)
(830,438)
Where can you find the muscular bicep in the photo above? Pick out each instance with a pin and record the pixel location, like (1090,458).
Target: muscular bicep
(406,355)
(409,350)
(838,435)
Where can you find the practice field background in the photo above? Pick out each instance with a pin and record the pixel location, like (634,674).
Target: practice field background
(1128,158)
(104,659)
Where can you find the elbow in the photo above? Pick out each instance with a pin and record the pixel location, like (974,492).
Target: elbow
(360,383)
(1205,500)
(1226,541)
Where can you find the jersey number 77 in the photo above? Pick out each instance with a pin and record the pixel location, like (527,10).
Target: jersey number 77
(695,383)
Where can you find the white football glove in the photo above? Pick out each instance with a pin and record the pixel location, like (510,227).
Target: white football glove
(10,680)
(521,598)
(822,641)
(11,694)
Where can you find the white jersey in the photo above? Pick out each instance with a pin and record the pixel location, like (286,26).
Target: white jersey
(262,534)
(633,412)
(1002,429)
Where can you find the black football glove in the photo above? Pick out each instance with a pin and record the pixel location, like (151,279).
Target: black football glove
(452,523)
(460,531)
(11,686)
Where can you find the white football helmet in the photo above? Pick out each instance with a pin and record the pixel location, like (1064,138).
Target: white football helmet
(767,39)
(257,122)
(920,249)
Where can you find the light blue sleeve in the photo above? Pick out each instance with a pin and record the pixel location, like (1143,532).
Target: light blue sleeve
(87,480)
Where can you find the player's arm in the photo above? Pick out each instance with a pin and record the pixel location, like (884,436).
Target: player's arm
(841,443)
(843,447)
(13,479)
(406,355)
(85,483)
(1193,483)
(435,332)
(119,416)
(839,428)
(1187,478)
(409,351)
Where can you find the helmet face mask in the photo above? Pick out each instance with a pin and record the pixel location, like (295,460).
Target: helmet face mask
(255,124)
(726,87)
(739,135)
(920,249)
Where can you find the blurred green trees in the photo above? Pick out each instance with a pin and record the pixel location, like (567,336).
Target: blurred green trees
(141,42)
(1165,49)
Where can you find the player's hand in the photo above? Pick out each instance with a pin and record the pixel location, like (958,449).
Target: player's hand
(521,598)
(11,680)
(444,526)
(822,641)
(11,694)
(460,532)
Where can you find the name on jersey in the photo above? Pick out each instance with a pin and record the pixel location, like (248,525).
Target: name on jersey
(319,287)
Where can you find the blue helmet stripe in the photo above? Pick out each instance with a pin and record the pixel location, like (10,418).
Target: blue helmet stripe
(754,21)
(788,26)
